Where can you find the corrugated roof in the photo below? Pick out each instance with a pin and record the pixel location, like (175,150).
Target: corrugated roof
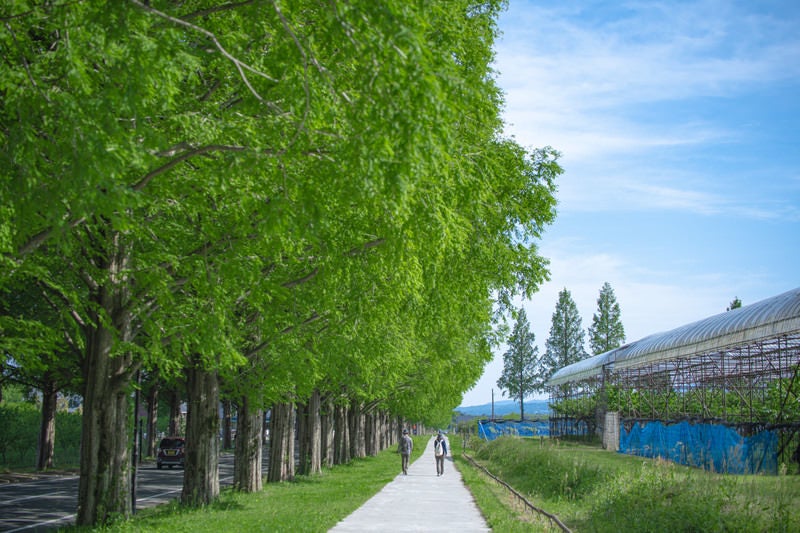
(769,318)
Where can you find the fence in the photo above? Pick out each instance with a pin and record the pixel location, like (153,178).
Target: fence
(714,447)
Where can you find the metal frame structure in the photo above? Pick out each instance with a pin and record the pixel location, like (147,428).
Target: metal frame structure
(740,368)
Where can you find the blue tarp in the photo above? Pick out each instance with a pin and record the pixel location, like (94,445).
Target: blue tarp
(491,430)
(711,446)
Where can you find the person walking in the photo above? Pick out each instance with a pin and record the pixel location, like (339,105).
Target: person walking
(440,452)
(404,448)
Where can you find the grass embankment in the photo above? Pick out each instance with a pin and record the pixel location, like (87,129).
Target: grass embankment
(310,503)
(591,489)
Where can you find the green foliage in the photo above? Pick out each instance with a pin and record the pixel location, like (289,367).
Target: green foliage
(606,331)
(310,198)
(736,303)
(18,439)
(520,362)
(775,404)
(20,423)
(564,346)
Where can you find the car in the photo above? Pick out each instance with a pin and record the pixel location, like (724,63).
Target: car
(171,452)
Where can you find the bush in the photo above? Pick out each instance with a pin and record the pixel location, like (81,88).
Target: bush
(20,423)
(20,436)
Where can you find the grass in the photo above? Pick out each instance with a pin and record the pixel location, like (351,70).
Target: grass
(591,489)
(308,504)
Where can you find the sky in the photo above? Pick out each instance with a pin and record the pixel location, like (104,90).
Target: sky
(678,124)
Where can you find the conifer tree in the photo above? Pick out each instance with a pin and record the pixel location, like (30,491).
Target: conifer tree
(520,363)
(565,344)
(606,331)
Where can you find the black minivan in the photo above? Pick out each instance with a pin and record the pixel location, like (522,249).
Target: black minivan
(171,452)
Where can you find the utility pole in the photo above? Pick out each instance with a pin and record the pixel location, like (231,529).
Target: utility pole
(136,440)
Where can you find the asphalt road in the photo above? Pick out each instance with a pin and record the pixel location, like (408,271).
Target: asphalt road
(49,503)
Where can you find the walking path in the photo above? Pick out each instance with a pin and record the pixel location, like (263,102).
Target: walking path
(420,501)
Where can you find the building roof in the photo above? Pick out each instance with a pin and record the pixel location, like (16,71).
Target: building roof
(770,318)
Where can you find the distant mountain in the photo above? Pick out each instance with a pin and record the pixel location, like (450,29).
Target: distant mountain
(504,407)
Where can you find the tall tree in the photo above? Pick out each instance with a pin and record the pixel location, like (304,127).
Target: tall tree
(520,363)
(216,179)
(736,303)
(606,331)
(565,345)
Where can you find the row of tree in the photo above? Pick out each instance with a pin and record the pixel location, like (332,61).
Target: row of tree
(310,206)
(525,371)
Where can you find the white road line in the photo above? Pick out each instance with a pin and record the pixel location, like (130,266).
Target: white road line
(39,524)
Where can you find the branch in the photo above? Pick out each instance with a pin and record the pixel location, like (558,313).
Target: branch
(240,65)
(27,66)
(366,246)
(294,283)
(257,348)
(38,239)
(141,184)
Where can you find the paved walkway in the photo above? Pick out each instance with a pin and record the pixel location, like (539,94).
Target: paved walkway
(420,501)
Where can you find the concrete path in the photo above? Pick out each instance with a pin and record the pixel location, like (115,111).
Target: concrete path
(420,501)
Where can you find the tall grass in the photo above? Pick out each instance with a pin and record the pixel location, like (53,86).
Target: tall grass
(591,489)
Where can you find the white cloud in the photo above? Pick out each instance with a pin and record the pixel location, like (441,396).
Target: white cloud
(650,301)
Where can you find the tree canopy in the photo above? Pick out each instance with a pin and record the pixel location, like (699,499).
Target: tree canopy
(565,345)
(520,362)
(314,197)
(606,331)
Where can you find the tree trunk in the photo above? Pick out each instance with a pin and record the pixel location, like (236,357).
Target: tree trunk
(356,423)
(327,430)
(174,429)
(341,436)
(152,418)
(281,443)
(201,472)
(227,438)
(105,471)
(385,431)
(370,433)
(248,453)
(310,440)
(47,429)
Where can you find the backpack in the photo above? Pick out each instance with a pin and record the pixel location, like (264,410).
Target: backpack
(404,444)
(437,447)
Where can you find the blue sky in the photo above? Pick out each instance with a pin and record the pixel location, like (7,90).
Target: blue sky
(679,128)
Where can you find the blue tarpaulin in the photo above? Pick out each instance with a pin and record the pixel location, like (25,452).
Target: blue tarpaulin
(714,447)
(490,430)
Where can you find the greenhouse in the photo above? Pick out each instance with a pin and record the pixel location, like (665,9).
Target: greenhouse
(722,393)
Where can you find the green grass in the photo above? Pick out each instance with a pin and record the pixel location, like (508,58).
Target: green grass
(591,489)
(310,503)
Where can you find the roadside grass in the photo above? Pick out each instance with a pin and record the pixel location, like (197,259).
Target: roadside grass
(501,509)
(591,489)
(307,504)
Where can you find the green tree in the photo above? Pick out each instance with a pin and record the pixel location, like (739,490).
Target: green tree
(301,193)
(565,345)
(520,363)
(606,331)
(736,303)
